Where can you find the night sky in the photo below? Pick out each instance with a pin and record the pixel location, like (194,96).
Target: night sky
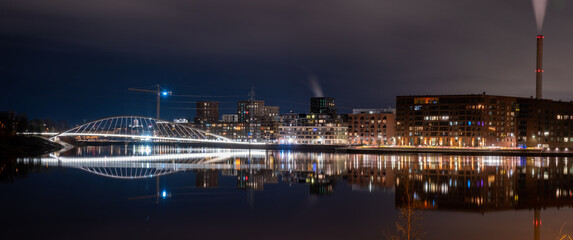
(75,60)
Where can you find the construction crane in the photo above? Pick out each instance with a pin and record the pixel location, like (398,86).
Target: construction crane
(158,92)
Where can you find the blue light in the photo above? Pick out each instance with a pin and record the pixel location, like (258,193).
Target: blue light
(164,93)
(164,194)
(469,184)
(470,123)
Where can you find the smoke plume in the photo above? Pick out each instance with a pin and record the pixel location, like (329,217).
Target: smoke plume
(539,7)
(315,86)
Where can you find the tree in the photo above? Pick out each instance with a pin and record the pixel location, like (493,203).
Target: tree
(11,123)
(408,225)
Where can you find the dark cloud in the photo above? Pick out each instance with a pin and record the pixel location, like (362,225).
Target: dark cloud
(363,52)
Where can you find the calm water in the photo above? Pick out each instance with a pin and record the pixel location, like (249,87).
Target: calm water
(146,192)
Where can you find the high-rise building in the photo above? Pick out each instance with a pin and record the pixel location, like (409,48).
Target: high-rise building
(207,112)
(322,105)
(250,110)
(261,121)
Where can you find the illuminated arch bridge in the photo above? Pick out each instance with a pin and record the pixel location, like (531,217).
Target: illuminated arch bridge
(140,129)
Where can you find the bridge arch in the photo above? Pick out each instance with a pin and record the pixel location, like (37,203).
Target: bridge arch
(139,129)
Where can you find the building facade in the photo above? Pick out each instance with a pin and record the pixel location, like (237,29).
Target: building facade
(312,129)
(271,112)
(456,120)
(250,110)
(230,118)
(322,105)
(484,121)
(372,127)
(261,121)
(207,112)
(233,130)
(544,123)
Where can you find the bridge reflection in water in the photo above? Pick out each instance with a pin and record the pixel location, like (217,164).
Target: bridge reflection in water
(145,166)
(477,184)
(474,183)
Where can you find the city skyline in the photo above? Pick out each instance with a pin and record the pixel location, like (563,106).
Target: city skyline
(75,60)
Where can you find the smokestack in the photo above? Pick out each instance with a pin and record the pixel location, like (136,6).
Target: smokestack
(539,68)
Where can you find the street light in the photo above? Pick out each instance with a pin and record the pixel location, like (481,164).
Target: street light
(158,92)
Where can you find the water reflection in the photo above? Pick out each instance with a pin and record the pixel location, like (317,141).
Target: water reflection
(469,183)
(482,184)
(474,184)
(12,170)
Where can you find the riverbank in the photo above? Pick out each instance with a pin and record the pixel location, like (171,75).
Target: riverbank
(395,149)
(21,146)
(457,151)
(362,150)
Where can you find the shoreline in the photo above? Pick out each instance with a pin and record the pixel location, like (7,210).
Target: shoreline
(360,150)
(11,146)
(24,146)
(459,151)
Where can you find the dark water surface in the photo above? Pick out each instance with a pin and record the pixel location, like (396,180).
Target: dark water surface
(146,192)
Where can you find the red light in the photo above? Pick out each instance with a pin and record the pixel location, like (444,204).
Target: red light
(246,178)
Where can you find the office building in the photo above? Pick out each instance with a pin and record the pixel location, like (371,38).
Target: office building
(207,112)
(322,105)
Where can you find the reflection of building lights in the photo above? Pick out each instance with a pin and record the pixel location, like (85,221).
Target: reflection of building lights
(144,150)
